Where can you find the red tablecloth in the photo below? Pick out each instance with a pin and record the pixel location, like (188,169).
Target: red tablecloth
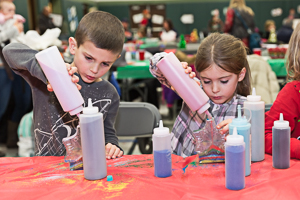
(50,178)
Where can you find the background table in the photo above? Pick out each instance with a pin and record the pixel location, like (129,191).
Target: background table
(50,178)
(278,66)
(134,70)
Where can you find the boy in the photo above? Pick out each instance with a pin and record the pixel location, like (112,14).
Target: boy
(97,44)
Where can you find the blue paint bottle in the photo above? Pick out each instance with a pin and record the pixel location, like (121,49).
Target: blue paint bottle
(162,151)
(235,161)
(243,128)
(281,137)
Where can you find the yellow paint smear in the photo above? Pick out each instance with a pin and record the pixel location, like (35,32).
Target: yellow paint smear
(68,181)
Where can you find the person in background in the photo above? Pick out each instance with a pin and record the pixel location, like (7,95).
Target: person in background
(287,101)
(9,15)
(292,14)
(8,8)
(225,78)
(234,25)
(128,32)
(285,32)
(269,26)
(45,21)
(51,123)
(146,22)
(168,34)
(12,87)
(215,24)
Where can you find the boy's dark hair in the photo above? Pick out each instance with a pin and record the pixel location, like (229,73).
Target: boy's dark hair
(103,29)
(227,52)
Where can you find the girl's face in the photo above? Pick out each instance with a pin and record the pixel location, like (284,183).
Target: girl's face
(220,85)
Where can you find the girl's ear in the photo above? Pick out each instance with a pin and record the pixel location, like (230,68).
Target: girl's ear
(72,45)
(242,74)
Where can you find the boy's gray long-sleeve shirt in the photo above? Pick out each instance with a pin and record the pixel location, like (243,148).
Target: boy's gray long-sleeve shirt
(51,123)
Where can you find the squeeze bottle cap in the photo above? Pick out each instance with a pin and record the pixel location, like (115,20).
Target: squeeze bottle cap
(161,131)
(281,123)
(234,138)
(239,120)
(253,97)
(90,109)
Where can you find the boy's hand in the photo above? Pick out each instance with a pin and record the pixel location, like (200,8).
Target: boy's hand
(112,151)
(71,69)
(224,125)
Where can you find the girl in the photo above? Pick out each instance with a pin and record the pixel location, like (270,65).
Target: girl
(288,99)
(234,25)
(221,62)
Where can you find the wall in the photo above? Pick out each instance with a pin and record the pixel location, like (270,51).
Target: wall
(201,12)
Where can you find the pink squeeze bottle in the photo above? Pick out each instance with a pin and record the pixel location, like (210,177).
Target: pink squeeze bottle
(186,87)
(57,74)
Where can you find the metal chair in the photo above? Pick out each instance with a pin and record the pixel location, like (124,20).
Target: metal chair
(137,119)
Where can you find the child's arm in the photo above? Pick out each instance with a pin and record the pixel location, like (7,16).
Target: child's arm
(22,61)
(112,147)
(287,102)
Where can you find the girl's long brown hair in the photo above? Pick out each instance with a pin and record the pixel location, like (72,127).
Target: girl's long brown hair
(227,52)
(293,56)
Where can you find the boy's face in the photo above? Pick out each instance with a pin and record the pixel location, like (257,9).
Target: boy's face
(218,84)
(92,62)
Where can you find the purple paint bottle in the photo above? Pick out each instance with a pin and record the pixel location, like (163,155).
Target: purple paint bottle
(162,151)
(92,142)
(235,161)
(281,135)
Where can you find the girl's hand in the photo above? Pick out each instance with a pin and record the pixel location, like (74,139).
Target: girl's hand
(71,69)
(112,151)
(224,125)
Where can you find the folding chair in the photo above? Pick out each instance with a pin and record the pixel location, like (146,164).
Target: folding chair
(137,119)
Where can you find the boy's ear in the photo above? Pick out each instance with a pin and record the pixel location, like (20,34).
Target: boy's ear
(72,45)
(242,74)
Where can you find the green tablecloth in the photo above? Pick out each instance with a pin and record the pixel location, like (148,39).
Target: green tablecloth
(137,70)
(278,66)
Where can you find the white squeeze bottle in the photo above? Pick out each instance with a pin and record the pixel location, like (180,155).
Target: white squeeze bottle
(57,74)
(257,131)
(187,88)
(92,142)
(162,151)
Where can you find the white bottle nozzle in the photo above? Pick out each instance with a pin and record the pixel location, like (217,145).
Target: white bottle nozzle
(253,97)
(281,123)
(161,130)
(234,131)
(281,117)
(253,92)
(235,138)
(161,124)
(90,104)
(90,109)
